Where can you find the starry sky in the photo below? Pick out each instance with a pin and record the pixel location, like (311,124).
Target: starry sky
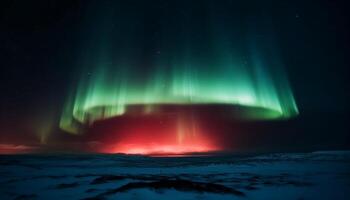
(44,44)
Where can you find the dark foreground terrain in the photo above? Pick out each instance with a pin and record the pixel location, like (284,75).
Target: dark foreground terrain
(318,175)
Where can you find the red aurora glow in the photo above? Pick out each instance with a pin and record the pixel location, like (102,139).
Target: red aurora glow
(159,134)
(154,148)
(16,149)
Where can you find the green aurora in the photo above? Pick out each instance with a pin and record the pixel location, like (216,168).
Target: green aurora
(192,62)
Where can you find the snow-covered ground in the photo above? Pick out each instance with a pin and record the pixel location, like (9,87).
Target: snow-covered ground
(318,175)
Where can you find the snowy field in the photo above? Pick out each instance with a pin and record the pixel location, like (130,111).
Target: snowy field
(301,176)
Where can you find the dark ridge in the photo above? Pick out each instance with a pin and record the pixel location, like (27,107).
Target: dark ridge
(180,185)
(250,179)
(107,178)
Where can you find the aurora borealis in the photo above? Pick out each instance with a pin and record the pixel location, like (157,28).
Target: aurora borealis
(172,76)
(183,69)
(109,91)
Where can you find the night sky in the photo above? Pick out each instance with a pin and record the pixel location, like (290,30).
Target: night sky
(48,47)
